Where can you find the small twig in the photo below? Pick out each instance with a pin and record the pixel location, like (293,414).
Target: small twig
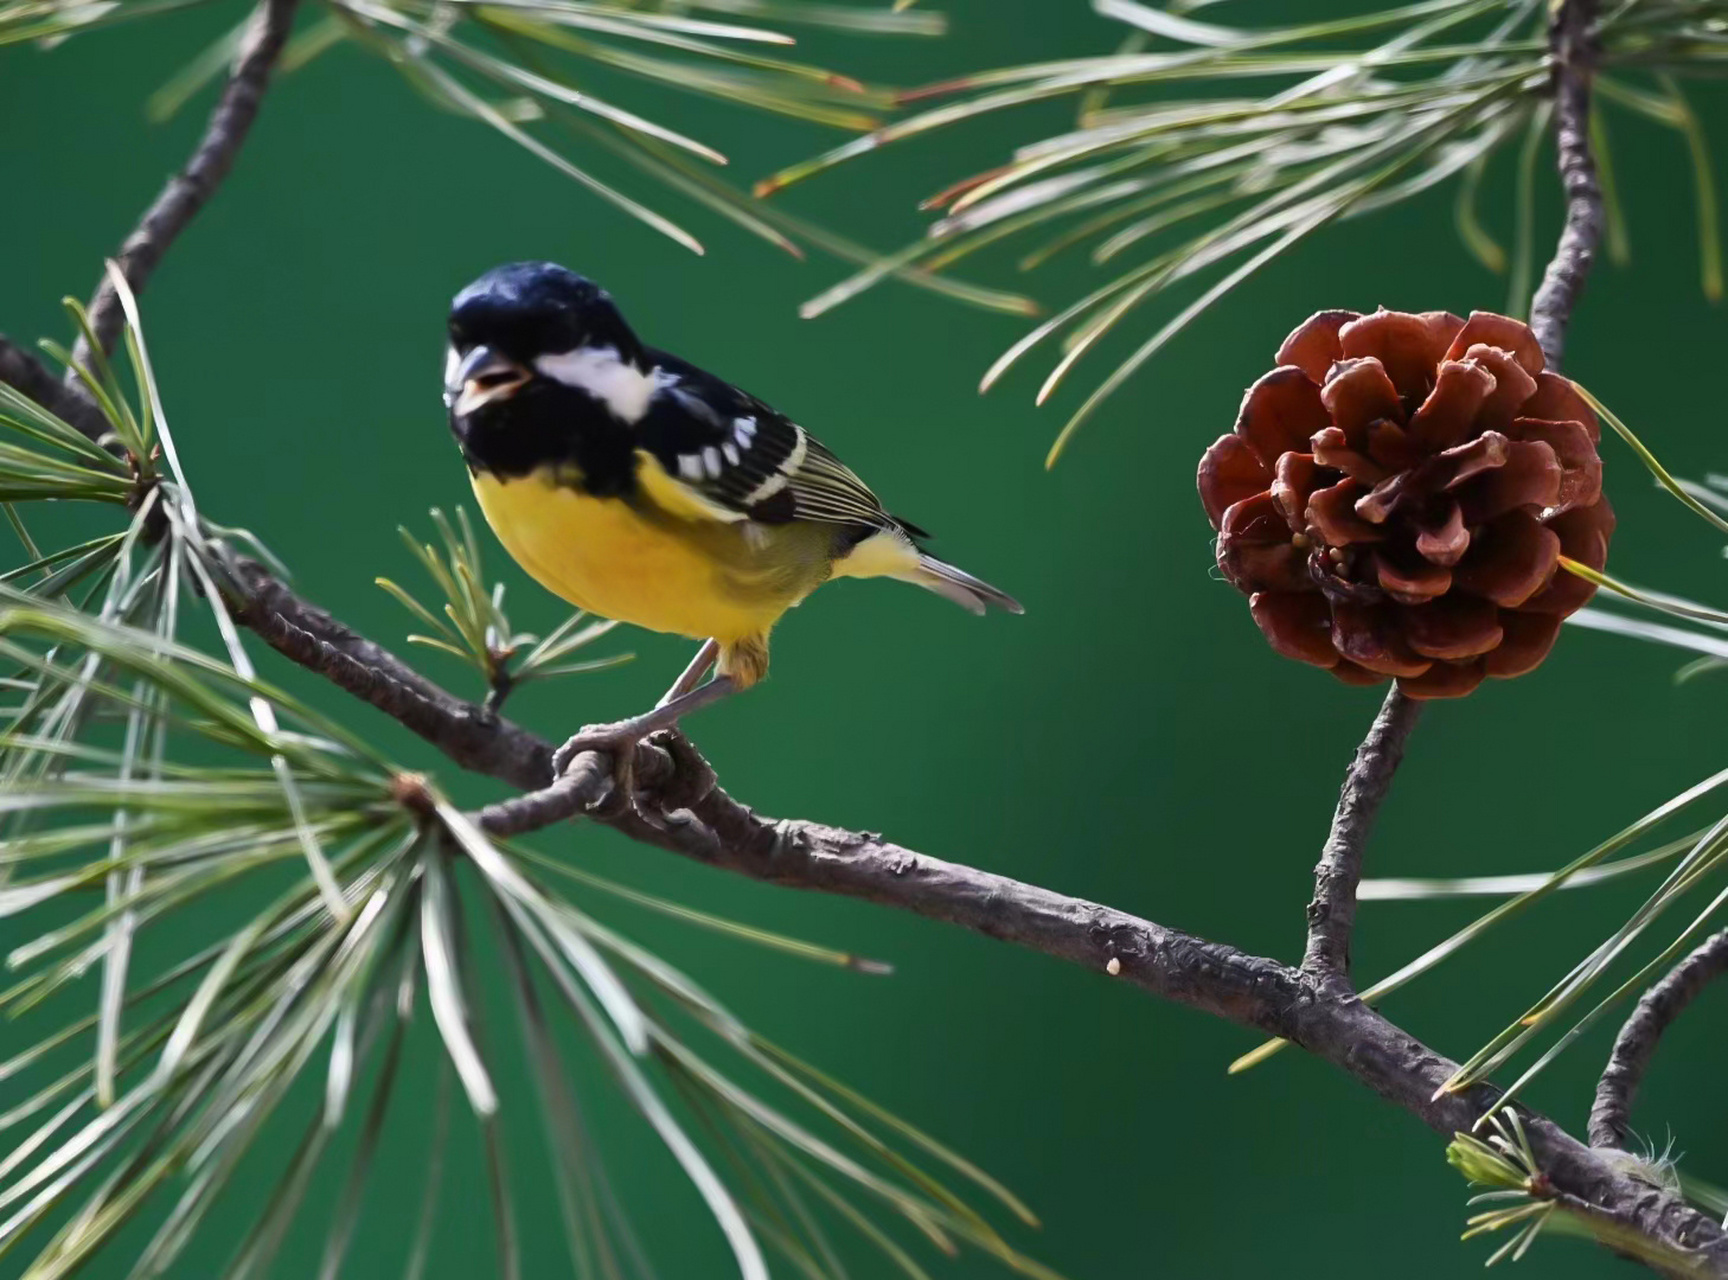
(188,190)
(502,684)
(1611,1117)
(1332,913)
(1570,43)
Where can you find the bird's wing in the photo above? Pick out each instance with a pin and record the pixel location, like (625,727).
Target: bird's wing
(743,458)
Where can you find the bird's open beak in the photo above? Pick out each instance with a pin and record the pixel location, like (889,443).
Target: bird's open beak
(480,377)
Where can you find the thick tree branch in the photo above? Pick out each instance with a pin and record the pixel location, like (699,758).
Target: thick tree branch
(1332,913)
(188,190)
(1571,50)
(1249,990)
(717,830)
(1611,1117)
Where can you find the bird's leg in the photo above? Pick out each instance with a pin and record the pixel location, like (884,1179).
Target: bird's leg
(620,739)
(699,665)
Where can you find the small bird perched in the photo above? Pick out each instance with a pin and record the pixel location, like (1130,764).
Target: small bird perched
(640,488)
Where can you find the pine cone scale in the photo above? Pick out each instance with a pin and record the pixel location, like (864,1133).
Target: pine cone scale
(1557,400)
(1457,626)
(1405,346)
(1528,479)
(1229,472)
(1513,562)
(1443,540)
(1334,514)
(1409,578)
(1499,333)
(1296,625)
(1580,465)
(1313,345)
(1460,388)
(1369,635)
(1297,478)
(1356,394)
(1279,413)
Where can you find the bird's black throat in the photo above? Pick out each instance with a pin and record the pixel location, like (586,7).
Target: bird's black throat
(548,424)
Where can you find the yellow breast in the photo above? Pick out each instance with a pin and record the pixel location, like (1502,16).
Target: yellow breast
(640,564)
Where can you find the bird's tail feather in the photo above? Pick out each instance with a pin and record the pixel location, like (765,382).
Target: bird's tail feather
(972,594)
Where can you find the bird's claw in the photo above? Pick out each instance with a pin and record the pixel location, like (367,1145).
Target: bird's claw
(679,780)
(691,777)
(615,740)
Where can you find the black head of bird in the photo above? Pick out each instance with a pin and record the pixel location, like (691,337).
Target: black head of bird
(534,348)
(639,487)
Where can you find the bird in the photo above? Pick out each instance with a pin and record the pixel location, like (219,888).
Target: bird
(640,488)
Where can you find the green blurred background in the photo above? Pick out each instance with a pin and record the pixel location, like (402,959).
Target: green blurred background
(1130,740)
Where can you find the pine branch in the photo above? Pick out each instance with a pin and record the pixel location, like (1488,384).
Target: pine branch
(1635,1047)
(712,827)
(475,738)
(1332,913)
(1569,40)
(190,189)
(680,809)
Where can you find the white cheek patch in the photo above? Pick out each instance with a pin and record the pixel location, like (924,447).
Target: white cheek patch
(620,386)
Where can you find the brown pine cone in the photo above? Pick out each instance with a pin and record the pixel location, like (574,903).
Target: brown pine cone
(1397,494)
